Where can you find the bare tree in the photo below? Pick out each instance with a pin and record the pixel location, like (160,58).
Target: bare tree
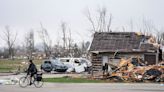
(10,39)
(102,23)
(63,27)
(89,17)
(131,25)
(162,37)
(159,36)
(47,43)
(149,29)
(70,41)
(76,51)
(123,29)
(67,39)
(29,43)
(84,48)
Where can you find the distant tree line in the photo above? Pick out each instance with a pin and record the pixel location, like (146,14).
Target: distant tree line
(100,22)
(28,48)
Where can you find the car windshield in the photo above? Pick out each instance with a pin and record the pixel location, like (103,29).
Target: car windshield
(57,61)
(49,62)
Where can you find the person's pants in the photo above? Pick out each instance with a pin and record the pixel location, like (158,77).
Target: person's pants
(31,75)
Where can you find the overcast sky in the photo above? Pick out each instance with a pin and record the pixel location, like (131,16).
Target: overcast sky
(24,15)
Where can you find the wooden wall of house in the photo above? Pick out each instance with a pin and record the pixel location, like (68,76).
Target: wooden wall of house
(97,59)
(151,58)
(96,63)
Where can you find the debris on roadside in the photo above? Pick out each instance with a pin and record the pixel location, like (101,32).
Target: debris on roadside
(10,81)
(128,70)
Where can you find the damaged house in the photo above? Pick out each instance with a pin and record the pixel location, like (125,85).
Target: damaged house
(112,46)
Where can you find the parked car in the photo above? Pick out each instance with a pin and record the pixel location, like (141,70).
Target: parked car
(53,65)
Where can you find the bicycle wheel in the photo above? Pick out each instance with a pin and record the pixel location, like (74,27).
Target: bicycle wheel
(38,84)
(24,82)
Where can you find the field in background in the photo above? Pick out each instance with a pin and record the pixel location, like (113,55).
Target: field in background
(13,66)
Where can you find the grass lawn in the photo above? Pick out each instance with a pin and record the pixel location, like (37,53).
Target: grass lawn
(5,69)
(14,65)
(72,80)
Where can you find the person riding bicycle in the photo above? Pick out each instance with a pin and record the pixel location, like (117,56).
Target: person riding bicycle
(32,70)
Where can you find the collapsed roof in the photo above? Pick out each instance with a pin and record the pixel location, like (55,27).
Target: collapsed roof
(121,42)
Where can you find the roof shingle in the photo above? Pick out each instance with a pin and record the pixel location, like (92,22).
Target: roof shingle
(116,41)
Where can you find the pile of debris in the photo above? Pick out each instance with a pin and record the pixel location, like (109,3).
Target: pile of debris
(134,70)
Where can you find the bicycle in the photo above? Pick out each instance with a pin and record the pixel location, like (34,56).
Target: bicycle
(37,80)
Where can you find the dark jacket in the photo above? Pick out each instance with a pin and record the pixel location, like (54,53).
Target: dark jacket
(32,69)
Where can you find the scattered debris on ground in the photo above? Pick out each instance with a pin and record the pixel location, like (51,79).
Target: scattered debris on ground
(128,70)
(9,81)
